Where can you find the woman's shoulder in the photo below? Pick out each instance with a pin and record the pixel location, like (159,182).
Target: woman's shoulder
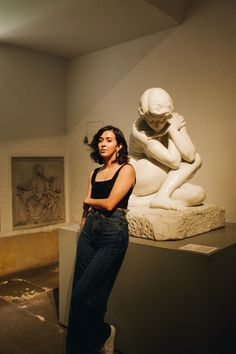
(128,165)
(125,168)
(126,174)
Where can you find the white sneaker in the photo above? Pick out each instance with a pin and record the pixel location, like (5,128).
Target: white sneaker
(108,347)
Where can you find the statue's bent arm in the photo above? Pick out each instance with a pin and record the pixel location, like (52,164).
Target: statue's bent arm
(169,157)
(156,150)
(183,143)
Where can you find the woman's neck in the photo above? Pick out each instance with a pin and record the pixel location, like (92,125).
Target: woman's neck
(110,164)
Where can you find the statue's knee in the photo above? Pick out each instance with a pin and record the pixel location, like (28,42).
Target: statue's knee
(198,161)
(201,194)
(198,195)
(142,189)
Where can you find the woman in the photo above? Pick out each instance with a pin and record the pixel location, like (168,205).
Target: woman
(102,244)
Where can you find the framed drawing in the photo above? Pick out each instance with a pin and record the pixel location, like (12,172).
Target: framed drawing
(37,191)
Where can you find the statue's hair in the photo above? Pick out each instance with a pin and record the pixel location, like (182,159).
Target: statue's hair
(144,108)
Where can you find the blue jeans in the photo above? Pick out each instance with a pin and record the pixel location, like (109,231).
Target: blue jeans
(101,249)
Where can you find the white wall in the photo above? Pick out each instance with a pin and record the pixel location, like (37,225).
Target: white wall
(195,63)
(32,116)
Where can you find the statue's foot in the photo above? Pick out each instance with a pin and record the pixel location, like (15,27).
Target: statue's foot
(135,201)
(167,203)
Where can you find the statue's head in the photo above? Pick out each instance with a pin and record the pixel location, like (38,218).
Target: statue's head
(38,170)
(155,101)
(156,107)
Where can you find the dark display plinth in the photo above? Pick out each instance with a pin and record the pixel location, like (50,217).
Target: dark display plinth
(170,301)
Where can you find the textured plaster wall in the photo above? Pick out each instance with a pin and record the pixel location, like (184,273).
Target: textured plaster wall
(195,63)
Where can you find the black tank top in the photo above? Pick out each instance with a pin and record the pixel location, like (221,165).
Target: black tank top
(102,189)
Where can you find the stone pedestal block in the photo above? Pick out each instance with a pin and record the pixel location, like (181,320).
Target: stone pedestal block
(160,224)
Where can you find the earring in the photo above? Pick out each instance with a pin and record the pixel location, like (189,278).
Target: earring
(117,154)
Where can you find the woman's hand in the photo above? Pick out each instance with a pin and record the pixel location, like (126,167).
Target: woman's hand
(86,205)
(82,222)
(86,208)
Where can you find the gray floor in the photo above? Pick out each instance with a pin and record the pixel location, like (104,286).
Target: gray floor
(29,313)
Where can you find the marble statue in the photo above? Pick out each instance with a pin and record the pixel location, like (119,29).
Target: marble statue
(163,155)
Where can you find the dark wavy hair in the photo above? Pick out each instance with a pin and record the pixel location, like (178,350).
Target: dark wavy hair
(123,152)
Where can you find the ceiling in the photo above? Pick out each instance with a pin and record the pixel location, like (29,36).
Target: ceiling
(70,28)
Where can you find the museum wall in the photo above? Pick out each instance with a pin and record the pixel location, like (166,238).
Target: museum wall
(195,63)
(32,94)
(33,116)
